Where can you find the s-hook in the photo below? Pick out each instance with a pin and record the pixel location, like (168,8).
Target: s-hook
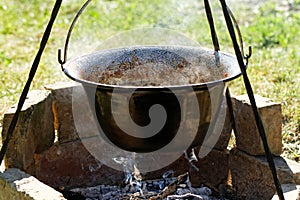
(62,62)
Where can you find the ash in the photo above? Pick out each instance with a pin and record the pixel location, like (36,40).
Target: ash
(161,189)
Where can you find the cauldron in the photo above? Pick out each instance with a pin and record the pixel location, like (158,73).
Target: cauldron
(124,84)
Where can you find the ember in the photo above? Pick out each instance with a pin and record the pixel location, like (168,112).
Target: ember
(165,188)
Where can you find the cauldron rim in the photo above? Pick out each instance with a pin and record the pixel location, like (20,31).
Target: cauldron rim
(67,69)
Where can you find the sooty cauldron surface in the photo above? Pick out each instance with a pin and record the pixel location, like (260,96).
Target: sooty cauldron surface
(133,79)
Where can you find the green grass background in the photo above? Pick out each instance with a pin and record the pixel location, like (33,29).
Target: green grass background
(271,27)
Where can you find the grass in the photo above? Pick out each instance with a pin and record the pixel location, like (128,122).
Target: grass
(274,68)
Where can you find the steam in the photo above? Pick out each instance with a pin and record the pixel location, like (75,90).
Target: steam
(160,26)
(191,157)
(133,178)
(95,167)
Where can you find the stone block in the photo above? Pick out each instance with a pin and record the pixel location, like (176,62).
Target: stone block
(295,167)
(64,121)
(212,170)
(15,184)
(70,165)
(252,178)
(247,135)
(34,131)
(62,110)
(223,141)
(178,167)
(290,192)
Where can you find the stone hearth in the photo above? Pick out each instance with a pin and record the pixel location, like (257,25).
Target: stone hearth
(46,145)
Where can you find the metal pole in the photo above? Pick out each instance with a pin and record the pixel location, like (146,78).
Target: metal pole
(252,100)
(32,72)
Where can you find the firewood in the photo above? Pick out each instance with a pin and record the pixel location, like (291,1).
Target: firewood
(171,188)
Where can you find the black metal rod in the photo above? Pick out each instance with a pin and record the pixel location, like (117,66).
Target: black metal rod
(62,62)
(215,41)
(252,100)
(32,72)
(213,32)
(230,108)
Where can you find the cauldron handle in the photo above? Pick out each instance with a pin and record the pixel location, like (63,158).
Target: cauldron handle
(214,36)
(247,56)
(62,62)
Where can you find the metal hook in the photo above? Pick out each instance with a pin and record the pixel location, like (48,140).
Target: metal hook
(240,37)
(248,56)
(64,60)
(215,37)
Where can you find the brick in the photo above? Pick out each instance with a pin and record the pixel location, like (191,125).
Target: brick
(251,175)
(216,140)
(223,141)
(179,166)
(34,131)
(62,110)
(15,184)
(290,192)
(70,165)
(247,135)
(64,121)
(212,170)
(295,167)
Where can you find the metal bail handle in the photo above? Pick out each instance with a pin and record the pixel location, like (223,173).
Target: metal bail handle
(214,36)
(62,62)
(247,56)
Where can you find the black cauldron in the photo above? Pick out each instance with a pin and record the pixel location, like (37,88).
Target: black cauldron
(128,82)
